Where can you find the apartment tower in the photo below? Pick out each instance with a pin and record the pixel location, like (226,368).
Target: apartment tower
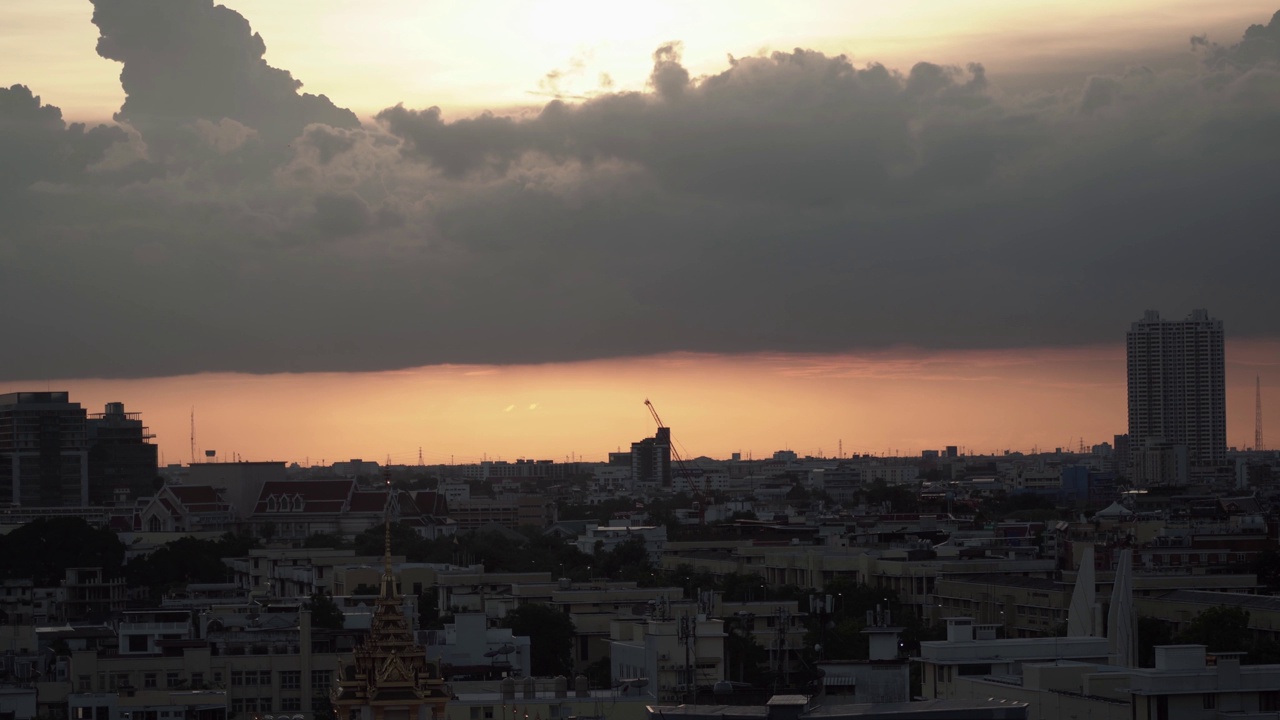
(1177,397)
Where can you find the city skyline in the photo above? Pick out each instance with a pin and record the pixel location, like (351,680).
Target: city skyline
(984,401)
(899,228)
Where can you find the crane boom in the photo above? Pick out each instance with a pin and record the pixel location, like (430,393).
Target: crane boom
(695,491)
(654,412)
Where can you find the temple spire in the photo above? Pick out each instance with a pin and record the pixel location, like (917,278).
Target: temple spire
(388,579)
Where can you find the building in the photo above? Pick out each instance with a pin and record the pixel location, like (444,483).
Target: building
(804,707)
(389,676)
(121,455)
(672,657)
(468,646)
(974,650)
(256,658)
(44,450)
(884,677)
(1177,390)
(651,460)
(606,538)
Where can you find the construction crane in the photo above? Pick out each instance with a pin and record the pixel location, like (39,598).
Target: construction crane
(695,491)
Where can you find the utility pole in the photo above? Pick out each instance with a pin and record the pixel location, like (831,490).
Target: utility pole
(688,635)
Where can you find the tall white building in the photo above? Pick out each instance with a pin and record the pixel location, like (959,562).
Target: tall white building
(1177,391)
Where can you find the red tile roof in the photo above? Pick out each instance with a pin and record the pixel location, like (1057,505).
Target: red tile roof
(431,503)
(192,494)
(318,496)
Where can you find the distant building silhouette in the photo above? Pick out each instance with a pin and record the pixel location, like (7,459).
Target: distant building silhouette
(1177,397)
(121,455)
(43,450)
(651,459)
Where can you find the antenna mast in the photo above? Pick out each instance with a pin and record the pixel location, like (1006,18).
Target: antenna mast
(193,435)
(1257,416)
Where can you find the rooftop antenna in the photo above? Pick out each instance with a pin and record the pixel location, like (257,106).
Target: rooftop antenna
(1257,416)
(419,456)
(193,435)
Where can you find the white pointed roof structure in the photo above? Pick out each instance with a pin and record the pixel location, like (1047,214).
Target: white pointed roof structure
(1080,612)
(1122,621)
(1114,510)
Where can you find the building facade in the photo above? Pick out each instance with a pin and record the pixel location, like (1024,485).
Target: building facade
(44,450)
(1177,389)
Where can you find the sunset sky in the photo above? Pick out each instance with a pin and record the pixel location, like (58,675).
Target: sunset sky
(497,227)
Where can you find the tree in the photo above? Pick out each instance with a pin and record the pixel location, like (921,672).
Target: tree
(1222,629)
(325,540)
(325,613)
(550,634)
(44,548)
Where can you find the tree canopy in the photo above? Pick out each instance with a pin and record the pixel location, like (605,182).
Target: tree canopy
(44,548)
(550,634)
(325,613)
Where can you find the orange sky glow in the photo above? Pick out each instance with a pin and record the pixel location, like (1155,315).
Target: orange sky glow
(888,402)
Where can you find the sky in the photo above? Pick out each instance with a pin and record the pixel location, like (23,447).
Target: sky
(495,228)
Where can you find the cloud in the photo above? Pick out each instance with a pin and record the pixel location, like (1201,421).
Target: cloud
(186,60)
(35,143)
(792,201)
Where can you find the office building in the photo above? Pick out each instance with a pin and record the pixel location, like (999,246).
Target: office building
(43,450)
(1177,394)
(121,455)
(651,460)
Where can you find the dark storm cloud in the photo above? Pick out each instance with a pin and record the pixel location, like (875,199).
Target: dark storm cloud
(35,143)
(793,201)
(190,59)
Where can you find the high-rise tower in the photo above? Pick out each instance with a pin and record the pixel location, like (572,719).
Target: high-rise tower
(1177,397)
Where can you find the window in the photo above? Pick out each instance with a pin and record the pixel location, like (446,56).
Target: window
(264,677)
(86,683)
(488,712)
(290,704)
(264,704)
(251,705)
(237,705)
(1209,701)
(237,678)
(1269,701)
(149,680)
(321,678)
(172,679)
(197,680)
(290,679)
(217,676)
